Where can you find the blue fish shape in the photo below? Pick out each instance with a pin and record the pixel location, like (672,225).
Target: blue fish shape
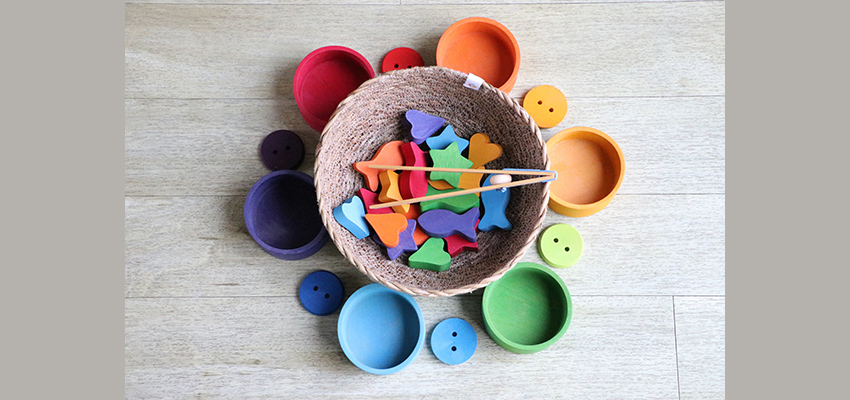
(495,202)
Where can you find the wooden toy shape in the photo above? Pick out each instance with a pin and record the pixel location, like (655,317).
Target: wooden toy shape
(440,185)
(448,158)
(414,211)
(560,245)
(442,223)
(431,256)
(591,168)
(532,303)
(499,179)
(419,236)
(405,241)
(324,78)
(445,138)
(545,176)
(401,58)
(370,198)
(282,149)
(455,244)
(351,215)
(453,341)
(481,46)
(458,204)
(388,154)
(388,227)
(481,151)
(390,192)
(413,183)
(495,202)
(471,181)
(422,125)
(546,104)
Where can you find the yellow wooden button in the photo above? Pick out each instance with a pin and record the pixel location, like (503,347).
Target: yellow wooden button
(546,104)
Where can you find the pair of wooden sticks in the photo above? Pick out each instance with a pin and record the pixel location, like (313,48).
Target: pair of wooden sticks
(545,176)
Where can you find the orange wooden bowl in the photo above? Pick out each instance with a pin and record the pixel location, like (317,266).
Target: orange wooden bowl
(483,47)
(590,169)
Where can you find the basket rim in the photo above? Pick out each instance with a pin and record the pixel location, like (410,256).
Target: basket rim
(327,217)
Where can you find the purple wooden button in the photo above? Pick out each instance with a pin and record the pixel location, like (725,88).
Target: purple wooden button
(282,150)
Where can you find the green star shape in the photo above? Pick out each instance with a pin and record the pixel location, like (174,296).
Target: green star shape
(448,158)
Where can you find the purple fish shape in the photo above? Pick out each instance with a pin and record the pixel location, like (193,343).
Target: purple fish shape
(444,223)
(422,125)
(405,241)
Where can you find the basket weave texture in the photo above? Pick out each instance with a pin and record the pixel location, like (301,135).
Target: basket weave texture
(373,114)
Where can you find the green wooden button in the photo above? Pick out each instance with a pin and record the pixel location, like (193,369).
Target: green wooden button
(560,245)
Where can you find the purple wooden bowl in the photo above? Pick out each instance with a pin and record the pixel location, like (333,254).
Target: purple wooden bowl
(282,215)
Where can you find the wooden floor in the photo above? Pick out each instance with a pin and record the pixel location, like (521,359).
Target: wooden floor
(210,315)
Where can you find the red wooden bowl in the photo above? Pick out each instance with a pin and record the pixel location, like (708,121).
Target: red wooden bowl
(324,78)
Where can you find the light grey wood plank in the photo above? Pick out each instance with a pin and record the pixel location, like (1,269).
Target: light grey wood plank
(701,346)
(250,348)
(243,51)
(638,245)
(403,2)
(407,2)
(264,2)
(209,147)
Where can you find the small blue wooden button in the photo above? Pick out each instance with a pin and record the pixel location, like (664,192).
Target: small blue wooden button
(321,293)
(453,341)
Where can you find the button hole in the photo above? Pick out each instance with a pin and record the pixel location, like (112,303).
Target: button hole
(454,348)
(539,101)
(454,333)
(327,296)
(315,288)
(566,249)
(556,240)
(551,110)
(274,151)
(287,148)
(396,66)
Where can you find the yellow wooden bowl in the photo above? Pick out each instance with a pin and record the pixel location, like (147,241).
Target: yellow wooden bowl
(590,168)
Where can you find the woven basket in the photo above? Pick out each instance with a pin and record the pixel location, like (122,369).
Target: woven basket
(372,115)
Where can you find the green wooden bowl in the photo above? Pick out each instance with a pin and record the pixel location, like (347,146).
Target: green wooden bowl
(528,309)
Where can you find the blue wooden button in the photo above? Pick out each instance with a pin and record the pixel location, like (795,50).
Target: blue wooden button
(453,341)
(321,293)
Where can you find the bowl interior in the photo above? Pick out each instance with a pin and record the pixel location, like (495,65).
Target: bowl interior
(527,306)
(327,76)
(283,212)
(380,329)
(481,47)
(588,165)
(375,115)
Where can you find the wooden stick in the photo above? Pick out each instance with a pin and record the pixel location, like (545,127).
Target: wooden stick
(464,170)
(463,192)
